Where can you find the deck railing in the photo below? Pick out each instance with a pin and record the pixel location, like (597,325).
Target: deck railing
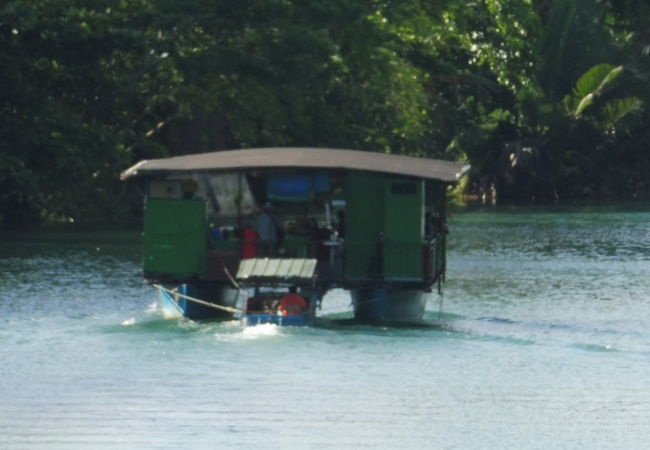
(341,261)
(395,261)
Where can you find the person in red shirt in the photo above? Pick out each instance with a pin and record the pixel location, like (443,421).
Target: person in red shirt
(292,304)
(248,242)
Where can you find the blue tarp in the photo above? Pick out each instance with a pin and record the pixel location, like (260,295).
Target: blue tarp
(297,187)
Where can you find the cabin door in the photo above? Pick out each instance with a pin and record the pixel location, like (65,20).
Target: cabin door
(403,228)
(364,225)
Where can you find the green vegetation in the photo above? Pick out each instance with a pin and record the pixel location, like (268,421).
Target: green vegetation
(547,99)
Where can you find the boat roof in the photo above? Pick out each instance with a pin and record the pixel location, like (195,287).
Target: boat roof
(299,157)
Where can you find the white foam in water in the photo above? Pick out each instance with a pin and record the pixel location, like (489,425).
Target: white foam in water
(129,322)
(265,329)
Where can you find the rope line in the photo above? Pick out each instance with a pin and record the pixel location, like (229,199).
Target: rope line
(176,294)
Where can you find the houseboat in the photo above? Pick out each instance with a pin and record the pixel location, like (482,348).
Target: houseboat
(241,233)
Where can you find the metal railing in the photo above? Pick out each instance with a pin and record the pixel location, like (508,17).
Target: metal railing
(395,260)
(340,261)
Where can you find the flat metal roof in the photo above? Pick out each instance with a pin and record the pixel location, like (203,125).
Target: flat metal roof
(276,268)
(298,157)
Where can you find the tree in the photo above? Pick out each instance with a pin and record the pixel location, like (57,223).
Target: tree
(528,92)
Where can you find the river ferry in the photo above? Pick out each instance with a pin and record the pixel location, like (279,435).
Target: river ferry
(238,233)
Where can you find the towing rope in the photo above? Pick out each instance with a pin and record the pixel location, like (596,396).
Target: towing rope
(176,295)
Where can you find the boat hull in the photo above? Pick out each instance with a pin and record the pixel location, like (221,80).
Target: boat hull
(259,319)
(181,307)
(385,305)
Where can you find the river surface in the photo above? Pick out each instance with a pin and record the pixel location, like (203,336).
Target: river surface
(542,340)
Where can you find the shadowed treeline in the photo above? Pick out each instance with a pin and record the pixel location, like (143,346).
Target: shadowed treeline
(547,99)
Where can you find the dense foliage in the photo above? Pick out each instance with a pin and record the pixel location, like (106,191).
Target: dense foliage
(548,99)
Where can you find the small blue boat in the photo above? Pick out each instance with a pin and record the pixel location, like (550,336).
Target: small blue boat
(266,309)
(197,301)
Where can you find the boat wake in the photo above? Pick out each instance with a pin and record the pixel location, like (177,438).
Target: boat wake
(261,330)
(129,322)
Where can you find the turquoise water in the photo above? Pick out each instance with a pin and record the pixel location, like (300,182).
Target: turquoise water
(542,341)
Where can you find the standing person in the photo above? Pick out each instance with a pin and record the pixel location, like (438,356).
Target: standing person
(266,226)
(248,242)
(292,304)
(340,226)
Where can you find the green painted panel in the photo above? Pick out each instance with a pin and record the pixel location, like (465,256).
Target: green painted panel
(175,237)
(404,213)
(296,246)
(365,221)
(404,228)
(403,261)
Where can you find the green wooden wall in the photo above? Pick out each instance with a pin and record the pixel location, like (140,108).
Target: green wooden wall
(365,220)
(404,228)
(175,237)
(393,207)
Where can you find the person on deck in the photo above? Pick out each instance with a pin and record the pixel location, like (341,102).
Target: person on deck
(266,227)
(248,242)
(340,226)
(292,304)
(317,238)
